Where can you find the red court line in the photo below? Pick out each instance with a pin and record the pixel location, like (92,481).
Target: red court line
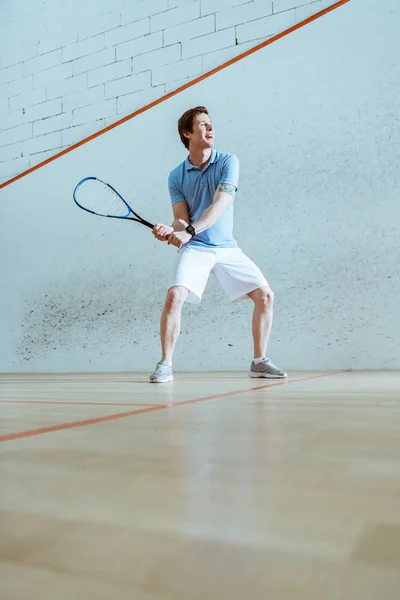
(75,381)
(180,89)
(79,403)
(131,413)
(145,380)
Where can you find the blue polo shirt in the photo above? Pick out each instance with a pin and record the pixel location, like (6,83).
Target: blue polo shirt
(196,187)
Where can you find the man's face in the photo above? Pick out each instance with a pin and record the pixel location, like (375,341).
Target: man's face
(202,136)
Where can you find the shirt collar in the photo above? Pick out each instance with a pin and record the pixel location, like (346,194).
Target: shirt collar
(190,167)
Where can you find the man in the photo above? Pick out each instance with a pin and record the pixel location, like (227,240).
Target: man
(202,190)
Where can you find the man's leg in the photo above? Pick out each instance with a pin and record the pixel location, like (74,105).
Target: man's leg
(191,274)
(237,274)
(263,299)
(170,327)
(261,366)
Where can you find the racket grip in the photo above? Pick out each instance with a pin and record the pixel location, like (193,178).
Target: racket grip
(166,236)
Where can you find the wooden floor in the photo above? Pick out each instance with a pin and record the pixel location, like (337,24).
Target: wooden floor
(215,487)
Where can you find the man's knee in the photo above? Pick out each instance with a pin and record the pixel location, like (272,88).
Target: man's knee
(263,297)
(176,297)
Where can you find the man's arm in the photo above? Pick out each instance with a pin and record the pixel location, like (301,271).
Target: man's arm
(181,220)
(222,200)
(181,216)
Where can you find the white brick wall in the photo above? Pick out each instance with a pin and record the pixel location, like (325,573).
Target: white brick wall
(30,98)
(214,59)
(88,46)
(80,99)
(70,76)
(157,58)
(15,54)
(94,111)
(16,134)
(5,105)
(244,13)
(11,73)
(93,26)
(265,27)
(174,85)
(128,85)
(143,9)
(40,156)
(43,110)
(42,142)
(13,167)
(142,45)
(13,119)
(212,6)
(53,41)
(51,124)
(280,5)
(131,102)
(209,43)
(71,135)
(18,86)
(187,31)
(42,62)
(70,85)
(127,32)
(93,61)
(10,152)
(181,70)
(119,69)
(175,3)
(51,75)
(176,16)
(303,12)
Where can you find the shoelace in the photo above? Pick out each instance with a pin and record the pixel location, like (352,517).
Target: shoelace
(161,366)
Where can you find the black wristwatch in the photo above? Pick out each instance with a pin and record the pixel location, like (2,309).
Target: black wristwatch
(190,229)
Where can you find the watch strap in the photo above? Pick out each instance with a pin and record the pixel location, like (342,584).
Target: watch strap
(190,229)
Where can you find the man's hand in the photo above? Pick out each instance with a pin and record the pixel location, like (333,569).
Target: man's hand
(178,238)
(161,232)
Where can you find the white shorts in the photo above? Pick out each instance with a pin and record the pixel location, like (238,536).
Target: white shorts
(234,271)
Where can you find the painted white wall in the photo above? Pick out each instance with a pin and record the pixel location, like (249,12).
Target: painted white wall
(69,68)
(313,119)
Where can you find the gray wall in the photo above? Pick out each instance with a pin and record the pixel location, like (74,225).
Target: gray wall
(314,121)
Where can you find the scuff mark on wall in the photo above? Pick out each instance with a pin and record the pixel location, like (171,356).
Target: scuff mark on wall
(73,317)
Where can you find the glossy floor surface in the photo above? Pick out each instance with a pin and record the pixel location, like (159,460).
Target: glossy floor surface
(213,487)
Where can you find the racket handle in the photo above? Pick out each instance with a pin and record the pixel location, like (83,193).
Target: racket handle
(152,226)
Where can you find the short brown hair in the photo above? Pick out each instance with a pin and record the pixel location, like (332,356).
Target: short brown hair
(185,123)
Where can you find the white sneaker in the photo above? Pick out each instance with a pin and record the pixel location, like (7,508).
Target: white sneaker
(266,369)
(163,373)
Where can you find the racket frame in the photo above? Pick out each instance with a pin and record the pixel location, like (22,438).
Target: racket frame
(138,218)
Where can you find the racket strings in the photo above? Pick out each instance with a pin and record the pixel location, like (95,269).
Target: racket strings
(96,196)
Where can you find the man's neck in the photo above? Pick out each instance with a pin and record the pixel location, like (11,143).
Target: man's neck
(199,158)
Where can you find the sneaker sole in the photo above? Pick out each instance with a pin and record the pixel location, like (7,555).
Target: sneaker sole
(161,380)
(266,376)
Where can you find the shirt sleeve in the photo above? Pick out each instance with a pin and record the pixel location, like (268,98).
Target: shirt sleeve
(230,170)
(174,190)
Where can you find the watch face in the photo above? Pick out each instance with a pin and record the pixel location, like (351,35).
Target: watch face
(190,229)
